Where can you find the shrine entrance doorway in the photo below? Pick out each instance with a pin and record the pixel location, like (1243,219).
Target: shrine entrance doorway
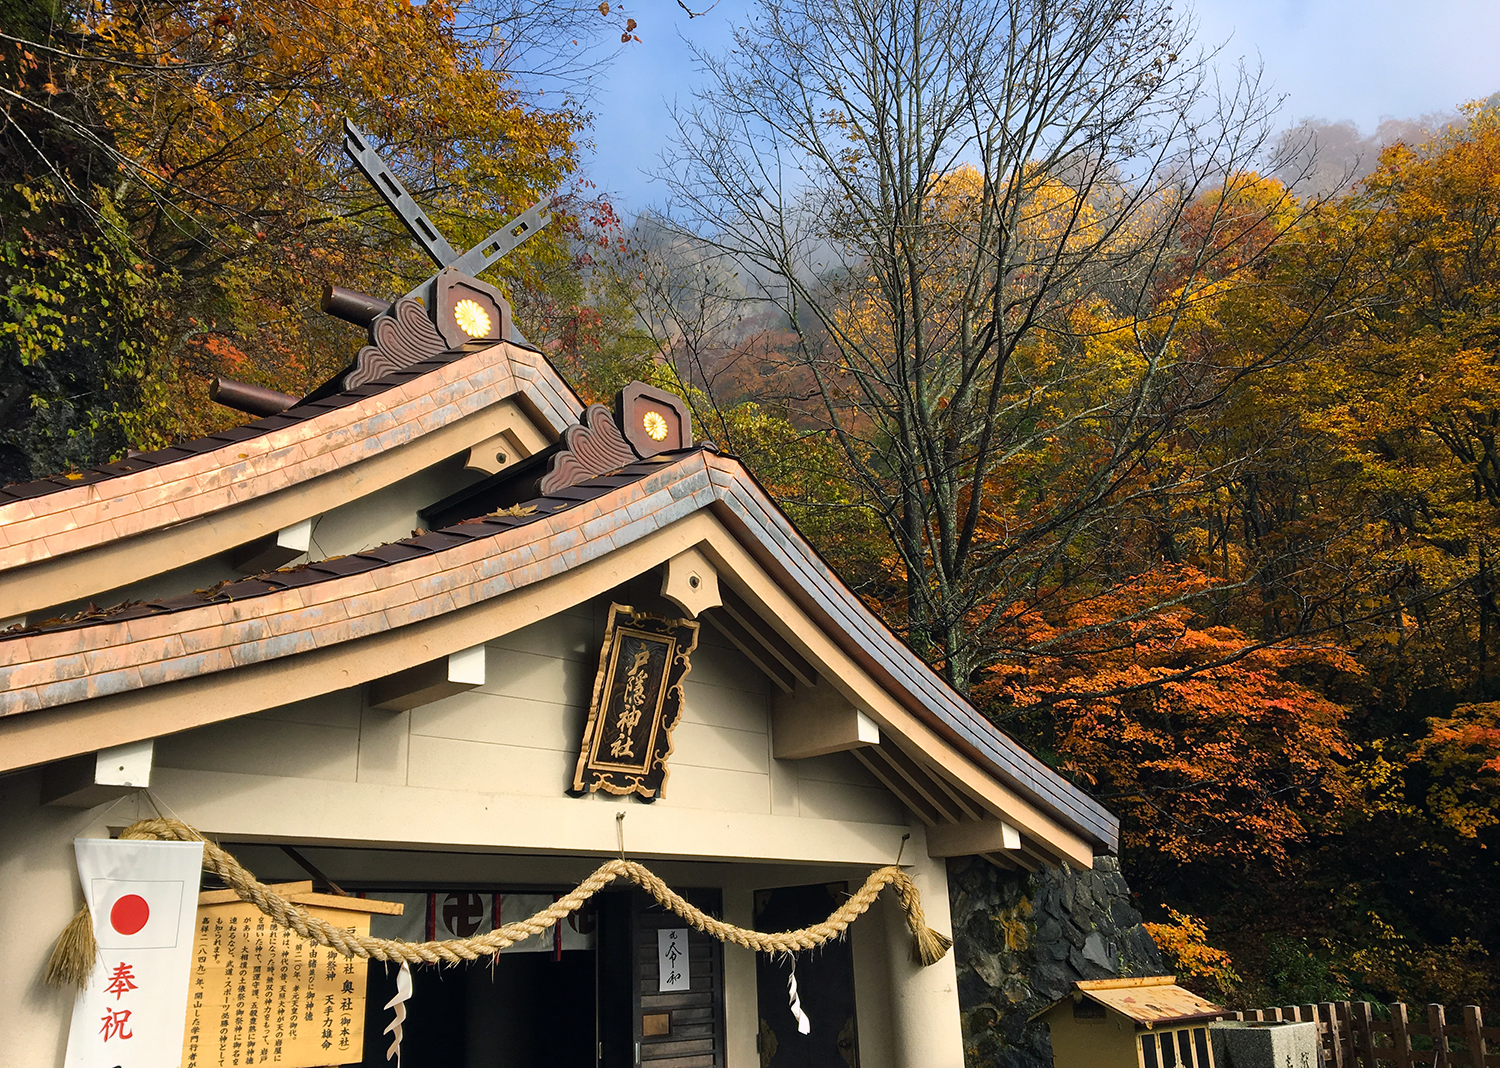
(588,995)
(548,1002)
(825,984)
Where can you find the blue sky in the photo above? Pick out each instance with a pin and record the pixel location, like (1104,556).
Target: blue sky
(1364,60)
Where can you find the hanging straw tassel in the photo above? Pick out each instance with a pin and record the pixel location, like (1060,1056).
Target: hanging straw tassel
(76,952)
(927,946)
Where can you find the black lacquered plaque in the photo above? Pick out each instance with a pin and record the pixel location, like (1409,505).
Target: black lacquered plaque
(637,701)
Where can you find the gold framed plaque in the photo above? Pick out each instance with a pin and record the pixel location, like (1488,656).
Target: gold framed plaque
(637,701)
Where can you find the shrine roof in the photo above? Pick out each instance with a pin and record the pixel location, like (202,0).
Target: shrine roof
(276,616)
(69,516)
(289,578)
(1148,1000)
(137,462)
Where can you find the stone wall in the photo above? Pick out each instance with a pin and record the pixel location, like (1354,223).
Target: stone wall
(1020,942)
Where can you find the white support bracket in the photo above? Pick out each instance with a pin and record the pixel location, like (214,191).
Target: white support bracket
(430,682)
(89,780)
(268,554)
(814,720)
(972,837)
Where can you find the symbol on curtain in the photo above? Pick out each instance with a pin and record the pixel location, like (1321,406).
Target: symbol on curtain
(463,914)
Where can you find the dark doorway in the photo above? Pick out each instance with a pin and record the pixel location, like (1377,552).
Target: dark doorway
(521,1010)
(825,982)
(568,1008)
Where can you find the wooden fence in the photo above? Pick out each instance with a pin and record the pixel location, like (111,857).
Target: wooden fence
(1352,1037)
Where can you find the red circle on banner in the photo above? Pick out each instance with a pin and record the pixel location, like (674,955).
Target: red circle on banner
(129,914)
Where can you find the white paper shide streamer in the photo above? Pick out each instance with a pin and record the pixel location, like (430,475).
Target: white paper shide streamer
(804,1025)
(398,1003)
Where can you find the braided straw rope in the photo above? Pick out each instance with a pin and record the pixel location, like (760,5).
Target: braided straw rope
(928,946)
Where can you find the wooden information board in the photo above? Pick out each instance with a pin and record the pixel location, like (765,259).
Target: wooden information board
(260,994)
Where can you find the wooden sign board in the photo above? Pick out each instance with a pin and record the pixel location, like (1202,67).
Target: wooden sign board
(261,994)
(637,701)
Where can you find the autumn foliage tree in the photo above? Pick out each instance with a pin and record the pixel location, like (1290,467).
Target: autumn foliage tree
(1215,535)
(1193,485)
(200,144)
(1224,765)
(975,217)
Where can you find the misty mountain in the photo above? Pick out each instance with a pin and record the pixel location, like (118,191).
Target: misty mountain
(1317,157)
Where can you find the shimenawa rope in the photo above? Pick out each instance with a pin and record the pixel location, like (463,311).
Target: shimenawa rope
(73,959)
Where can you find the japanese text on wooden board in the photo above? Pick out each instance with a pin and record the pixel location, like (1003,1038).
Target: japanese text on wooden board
(260,994)
(672,959)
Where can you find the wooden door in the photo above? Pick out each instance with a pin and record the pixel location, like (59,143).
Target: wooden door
(679,1028)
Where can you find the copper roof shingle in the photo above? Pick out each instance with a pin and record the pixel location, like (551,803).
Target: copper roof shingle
(297,413)
(354,563)
(52,519)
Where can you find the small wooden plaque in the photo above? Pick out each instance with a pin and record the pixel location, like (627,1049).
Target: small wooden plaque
(637,701)
(656,1023)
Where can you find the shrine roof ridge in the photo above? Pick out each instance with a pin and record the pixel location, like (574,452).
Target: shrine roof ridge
(58,522)
(527,512)
(315,404)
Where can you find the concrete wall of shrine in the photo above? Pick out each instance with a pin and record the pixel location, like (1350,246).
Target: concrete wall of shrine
(490,767)
(907,1016)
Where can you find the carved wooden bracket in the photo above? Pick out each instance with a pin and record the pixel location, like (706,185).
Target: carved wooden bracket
(691,582)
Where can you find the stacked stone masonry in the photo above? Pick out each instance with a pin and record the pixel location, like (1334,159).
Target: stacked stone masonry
(1021,940)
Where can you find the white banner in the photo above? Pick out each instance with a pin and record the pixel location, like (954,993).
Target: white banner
(576,931)
(144,900)
(464,914)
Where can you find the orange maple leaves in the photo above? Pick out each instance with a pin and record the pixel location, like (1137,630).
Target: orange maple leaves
(1459,763)
(1207,746)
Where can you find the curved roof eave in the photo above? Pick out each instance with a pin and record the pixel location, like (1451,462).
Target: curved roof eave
(277,617)
(66,541)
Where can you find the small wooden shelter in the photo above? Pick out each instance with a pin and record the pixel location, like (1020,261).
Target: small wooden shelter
(1145,1022)
(384,636)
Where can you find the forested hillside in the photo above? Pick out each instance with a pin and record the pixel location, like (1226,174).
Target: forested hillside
(1269,641)
(173,196)
(1186,476)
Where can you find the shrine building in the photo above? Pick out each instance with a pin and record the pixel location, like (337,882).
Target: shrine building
(421,638)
